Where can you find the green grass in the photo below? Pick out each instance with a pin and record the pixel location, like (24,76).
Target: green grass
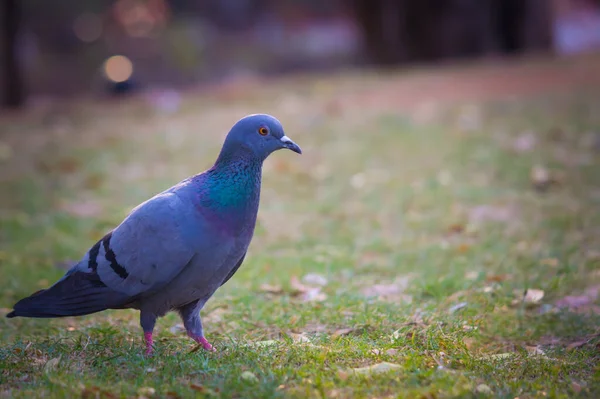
(436,213)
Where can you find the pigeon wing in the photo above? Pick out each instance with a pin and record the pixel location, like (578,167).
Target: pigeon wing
(147,250)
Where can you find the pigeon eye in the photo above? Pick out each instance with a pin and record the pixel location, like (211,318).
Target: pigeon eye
(263,131)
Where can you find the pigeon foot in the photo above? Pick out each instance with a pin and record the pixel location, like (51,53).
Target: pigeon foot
(202,341)
(149,343)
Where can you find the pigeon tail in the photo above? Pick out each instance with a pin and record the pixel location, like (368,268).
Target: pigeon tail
(77,294)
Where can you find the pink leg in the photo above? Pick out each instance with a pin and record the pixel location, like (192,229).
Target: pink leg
(149,343)
(202,341)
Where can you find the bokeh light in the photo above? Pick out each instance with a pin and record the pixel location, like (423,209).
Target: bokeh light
(88,27)
(118,68)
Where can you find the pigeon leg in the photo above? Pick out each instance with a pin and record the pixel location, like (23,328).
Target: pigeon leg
(148,320)
(190,314)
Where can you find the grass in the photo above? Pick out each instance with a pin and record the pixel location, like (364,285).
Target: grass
(423,220)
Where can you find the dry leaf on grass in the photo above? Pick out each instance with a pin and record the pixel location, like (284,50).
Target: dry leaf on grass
(533,296)
(146,391)
(306,293)
(483,389)
(314,279)
(535,350)
(472,275)
(393,292)
(541,178)
(299,338)
(271,289)
(197,387)
(51,364)
(343,332)
(584,303)
(582,342)
(457,307)
(497,278)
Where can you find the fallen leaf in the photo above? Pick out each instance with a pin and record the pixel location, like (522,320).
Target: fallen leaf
(376,351)
(469,343)
(314,295)
(457,307)
(297,286)
(343,332)
(541,178)
(343,375)
(271,289)
(146,391)
(535,350)
(376,368)
(456,228)
(483,389)
(584,303)
(299,338)
(90,392)
(197,387)
(51,364)
(314,279)
(391,352)
(576,387)
(533,296)
(497,278)
(581,342)
(306,293)
(471,275)
(389,292)
(249,376)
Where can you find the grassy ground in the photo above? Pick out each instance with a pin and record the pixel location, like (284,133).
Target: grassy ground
(427,244)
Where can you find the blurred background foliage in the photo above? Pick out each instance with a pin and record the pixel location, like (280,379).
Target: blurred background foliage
(64,47)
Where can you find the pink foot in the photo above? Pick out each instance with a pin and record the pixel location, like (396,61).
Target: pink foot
(149,343)
(202,341)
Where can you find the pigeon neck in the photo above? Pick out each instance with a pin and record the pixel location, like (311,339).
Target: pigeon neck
(234,183)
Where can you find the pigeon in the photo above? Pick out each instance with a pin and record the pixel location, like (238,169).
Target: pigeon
(173,251)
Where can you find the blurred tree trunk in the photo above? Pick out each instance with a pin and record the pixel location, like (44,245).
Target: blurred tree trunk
(409,30)
(14,95)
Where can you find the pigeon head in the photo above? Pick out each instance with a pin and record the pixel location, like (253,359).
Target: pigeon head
(257,135)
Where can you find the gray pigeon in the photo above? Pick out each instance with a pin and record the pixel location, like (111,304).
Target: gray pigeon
(175,250)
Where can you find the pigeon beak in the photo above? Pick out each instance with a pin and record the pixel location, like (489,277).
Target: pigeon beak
(290,145)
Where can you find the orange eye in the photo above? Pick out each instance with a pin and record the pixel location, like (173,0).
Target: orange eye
(263,131)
